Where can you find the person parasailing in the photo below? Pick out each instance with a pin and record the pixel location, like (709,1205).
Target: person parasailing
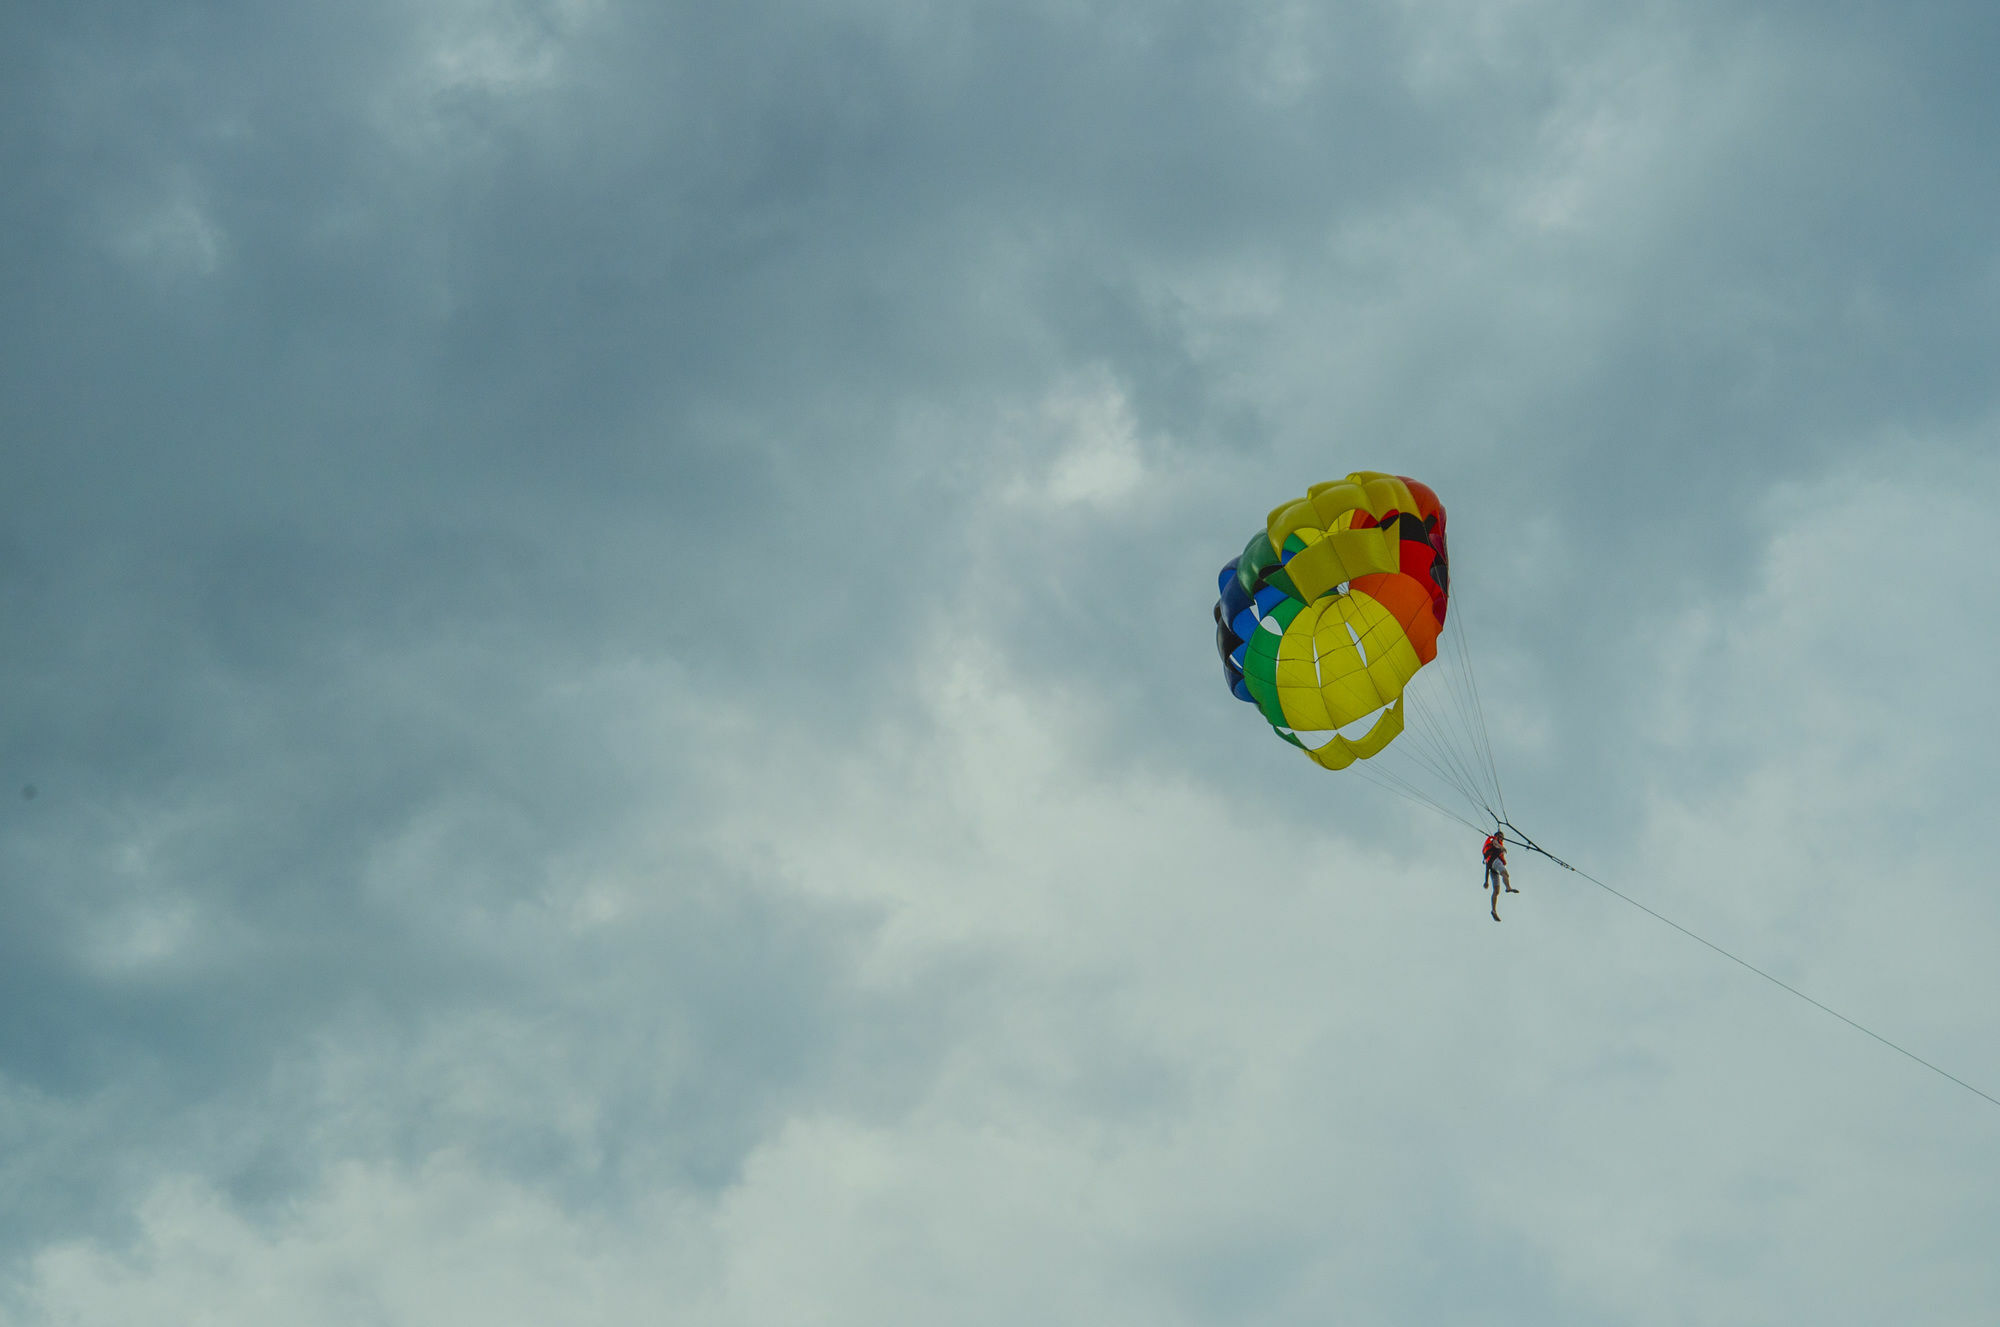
(1495,854)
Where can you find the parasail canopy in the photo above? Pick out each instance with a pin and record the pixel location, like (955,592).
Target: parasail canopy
(1332,608)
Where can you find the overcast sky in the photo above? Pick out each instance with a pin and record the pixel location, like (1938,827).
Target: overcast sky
(610,710)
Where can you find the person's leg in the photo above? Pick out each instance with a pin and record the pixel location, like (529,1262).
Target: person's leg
(1506,880)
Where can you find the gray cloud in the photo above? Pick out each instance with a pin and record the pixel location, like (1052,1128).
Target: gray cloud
(606,608)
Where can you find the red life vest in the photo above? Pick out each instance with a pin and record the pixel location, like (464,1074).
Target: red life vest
(1496,847)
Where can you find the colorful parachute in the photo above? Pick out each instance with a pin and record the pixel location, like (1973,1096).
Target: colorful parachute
(1331,610)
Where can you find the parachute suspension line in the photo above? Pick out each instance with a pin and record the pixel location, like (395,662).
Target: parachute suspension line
(1453,674)
(1445,739)
(1446,759)
(1409,791)
(1446,733)
(1404,791)
(1515,836)
(1425,751)
(1474,715)
(1433,753)
(1479,709)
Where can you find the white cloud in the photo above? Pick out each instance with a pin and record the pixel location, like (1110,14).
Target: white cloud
(1099,461)
(1206,1064)
(501,45)
(444,1244)
(466,56)
(924,948)
(174,236)
(1823,732)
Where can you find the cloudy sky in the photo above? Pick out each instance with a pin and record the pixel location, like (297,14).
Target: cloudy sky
(610,709)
